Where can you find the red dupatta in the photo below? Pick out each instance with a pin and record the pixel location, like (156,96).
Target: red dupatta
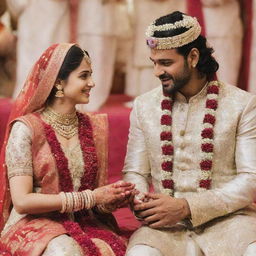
(36,90)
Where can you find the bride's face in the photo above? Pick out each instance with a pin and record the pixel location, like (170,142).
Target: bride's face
(78,85)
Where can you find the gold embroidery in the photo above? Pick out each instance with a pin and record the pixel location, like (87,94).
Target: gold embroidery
(18,152)
(76,164)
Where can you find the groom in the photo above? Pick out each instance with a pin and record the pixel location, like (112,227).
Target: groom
(194,138)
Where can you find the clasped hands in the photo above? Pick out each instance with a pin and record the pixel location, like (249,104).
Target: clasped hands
(115,195)
(160,210)
(154,210)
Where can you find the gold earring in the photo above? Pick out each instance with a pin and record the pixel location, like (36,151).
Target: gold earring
(59,93)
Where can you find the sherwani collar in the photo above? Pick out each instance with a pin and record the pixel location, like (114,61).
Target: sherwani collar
(179,97)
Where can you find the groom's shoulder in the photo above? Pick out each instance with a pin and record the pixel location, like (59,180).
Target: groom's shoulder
(151,97)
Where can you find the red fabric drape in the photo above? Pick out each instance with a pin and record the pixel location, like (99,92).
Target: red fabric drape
(247,15)
(194,8)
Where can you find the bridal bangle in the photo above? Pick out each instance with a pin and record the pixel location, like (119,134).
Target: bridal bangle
(76,201)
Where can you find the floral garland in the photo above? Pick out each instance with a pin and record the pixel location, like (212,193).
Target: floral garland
(115,242)
(76,232)
(88,181)
(4,250)
(207,136)
(85,135)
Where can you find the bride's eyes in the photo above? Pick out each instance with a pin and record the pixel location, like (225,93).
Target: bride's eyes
(85,75)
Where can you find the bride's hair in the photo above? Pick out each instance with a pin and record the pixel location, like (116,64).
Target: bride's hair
(71,61)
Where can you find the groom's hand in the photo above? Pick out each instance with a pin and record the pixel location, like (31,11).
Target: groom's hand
(162,210)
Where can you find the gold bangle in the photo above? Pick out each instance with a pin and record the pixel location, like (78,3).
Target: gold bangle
(89,199)
(76,202)
(63,202)
(70,202)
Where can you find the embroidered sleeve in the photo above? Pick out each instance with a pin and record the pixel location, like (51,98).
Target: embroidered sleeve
(136,167)
(239,192)
(18,152)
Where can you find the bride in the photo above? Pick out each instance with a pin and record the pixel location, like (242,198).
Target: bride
(53,165)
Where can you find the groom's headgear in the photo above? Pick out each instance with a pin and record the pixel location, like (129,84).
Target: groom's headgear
(164,35)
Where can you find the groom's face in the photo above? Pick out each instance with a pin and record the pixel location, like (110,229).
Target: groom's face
(171,68)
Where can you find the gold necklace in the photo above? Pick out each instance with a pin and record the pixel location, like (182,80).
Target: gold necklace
(65,125)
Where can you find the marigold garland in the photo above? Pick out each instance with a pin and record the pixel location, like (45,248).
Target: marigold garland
(207,136)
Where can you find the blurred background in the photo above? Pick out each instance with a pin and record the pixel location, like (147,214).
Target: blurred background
(113,32)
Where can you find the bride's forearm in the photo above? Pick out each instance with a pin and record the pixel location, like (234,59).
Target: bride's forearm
(36,203)
(25,201)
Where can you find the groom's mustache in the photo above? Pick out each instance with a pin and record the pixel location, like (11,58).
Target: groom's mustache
(165,76)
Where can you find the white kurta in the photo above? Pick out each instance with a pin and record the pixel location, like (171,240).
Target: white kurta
(100,26)
(40,24)
(226,208)
(96,33)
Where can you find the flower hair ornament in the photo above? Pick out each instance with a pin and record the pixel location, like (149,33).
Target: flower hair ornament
(165,43)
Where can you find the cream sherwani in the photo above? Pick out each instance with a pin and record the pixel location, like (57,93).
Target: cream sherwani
(223,221)
(40,24)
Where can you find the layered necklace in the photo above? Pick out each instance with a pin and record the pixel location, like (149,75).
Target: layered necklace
(207,136)
(65,125)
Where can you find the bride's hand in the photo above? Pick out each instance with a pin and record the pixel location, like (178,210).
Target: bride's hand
(113,192)
(124,202)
